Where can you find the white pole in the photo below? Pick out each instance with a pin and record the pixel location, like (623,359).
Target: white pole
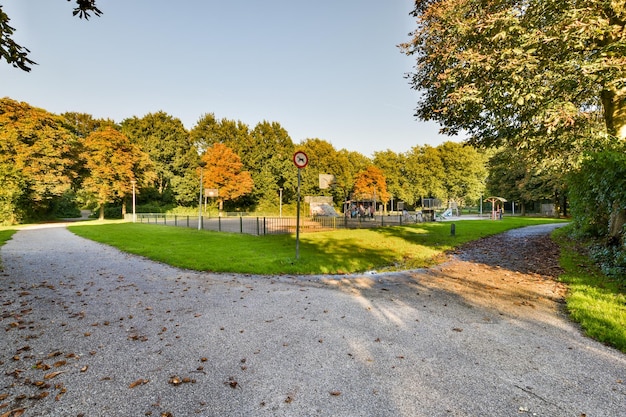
(202,165)
(134,214)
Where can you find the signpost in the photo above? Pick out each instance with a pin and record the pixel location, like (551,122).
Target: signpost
(300,160)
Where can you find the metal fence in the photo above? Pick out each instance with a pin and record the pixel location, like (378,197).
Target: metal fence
(273,225)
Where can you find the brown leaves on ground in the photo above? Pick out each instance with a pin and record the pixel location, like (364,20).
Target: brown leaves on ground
(17,412)
(53,374)
(138,382)
(505,273)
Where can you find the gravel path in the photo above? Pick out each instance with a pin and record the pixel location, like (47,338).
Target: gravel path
(90,331)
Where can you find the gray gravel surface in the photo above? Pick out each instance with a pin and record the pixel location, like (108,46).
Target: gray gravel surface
(90,331)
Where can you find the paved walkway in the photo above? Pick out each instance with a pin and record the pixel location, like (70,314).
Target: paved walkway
(90,331)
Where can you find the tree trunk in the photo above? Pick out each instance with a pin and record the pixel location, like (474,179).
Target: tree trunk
(614,104)
(617,220)
(101,217)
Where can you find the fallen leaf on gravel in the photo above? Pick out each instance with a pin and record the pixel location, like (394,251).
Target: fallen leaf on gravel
(457,329)
(231,383)
(52,374)
(84,368)
(175,380)
(138,382)
(335,393)
(60,394)
(40,396)
(17,412)
(58,364)
(3,396)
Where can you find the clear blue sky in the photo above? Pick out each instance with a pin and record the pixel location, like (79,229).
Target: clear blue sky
(327,69)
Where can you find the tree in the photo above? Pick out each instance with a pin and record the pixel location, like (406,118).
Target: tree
(423,170)
(522,180)
(393,166)
(171,151)
(17,55)
(37,161)
(113,162)
(324,159)
(267,155)
(533,75)
(463,174)
(524,73)
(208,131)
(371,185)
(83,124)
(598,194)
(224,171)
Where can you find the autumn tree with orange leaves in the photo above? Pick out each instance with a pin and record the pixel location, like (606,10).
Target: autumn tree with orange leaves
(371,185)
(113,162)
(224,171)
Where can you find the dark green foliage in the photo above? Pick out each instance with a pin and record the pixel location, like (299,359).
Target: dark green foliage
(596,189)
(65,207)
(611,260)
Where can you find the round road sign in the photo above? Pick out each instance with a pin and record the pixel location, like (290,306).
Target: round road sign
(300,159)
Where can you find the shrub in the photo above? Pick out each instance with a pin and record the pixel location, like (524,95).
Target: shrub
(596,189)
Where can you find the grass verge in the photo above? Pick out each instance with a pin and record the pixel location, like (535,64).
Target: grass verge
(336,252)
(5,235)
(595,301)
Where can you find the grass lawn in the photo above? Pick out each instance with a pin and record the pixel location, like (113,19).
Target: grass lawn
(595,301)
(336,252)
(5,234)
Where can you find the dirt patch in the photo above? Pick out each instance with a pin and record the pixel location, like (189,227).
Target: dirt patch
(513,273)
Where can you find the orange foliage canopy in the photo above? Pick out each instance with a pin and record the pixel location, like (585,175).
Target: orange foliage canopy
(371,184)
(224,171)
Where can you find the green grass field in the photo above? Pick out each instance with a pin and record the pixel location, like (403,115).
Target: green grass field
(595,301)
(336,252)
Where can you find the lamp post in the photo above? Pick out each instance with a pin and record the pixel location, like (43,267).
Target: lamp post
(134,213)
(202,164)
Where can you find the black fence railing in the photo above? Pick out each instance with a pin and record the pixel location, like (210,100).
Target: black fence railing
(273,225)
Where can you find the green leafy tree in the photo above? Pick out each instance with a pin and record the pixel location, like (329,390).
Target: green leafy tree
(598,194)
(208,131)
(523,73)
(167,142)
(424,169)
(83,124)
(325,159)
(267,154)
(525,181)
(113,162)
(17,55)
(464,173)
(532,75)
(393,166)
(224,171)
